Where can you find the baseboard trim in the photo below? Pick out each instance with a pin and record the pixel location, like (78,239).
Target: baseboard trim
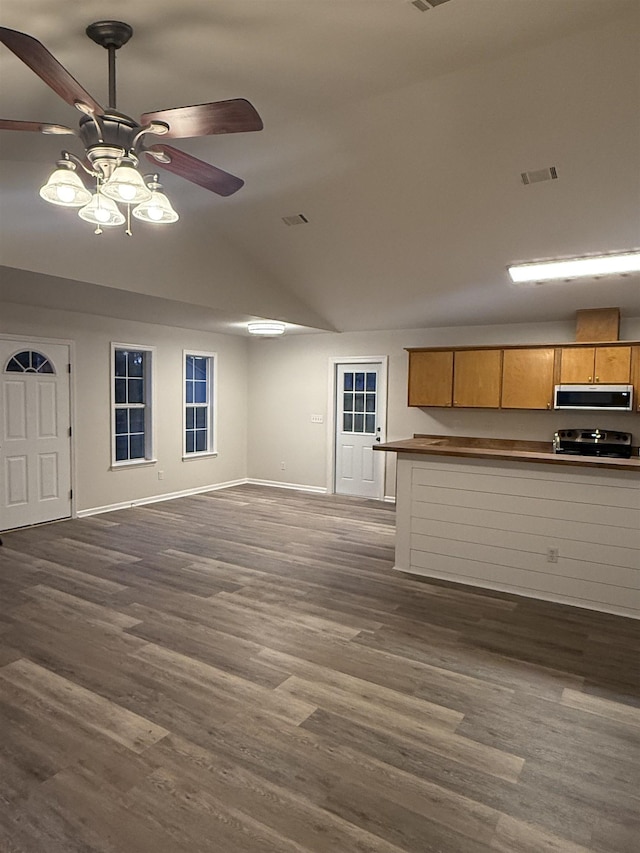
(510,589)
(169,496)
(319,490)
(153,499)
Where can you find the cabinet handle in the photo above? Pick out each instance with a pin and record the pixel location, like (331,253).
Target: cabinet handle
(597,379)
(549,405)
(590,379)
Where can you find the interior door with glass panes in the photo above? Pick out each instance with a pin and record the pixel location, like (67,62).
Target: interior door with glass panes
(35,445)
(359,471)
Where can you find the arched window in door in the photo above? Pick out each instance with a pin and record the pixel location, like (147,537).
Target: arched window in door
(29,361)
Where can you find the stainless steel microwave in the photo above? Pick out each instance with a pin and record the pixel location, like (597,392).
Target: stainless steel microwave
(601,398)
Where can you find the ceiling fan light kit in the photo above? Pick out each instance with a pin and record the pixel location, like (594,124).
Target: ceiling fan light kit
(102,211)
(126,184)
(157,208)
(113,142)
(65,187)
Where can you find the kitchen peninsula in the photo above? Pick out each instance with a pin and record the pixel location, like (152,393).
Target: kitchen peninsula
(514,516)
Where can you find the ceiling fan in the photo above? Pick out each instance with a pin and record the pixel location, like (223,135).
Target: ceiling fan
(114,142)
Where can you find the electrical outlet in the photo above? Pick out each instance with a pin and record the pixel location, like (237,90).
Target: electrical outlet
(282,466)
(161,475)
(317,419)
(552,555)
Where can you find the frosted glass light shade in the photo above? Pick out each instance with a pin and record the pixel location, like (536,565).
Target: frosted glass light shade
(65,188)
(156,209)
(267,328)
(101,211)
(126,184)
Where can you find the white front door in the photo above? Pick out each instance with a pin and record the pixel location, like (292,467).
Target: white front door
(35,445)
(359,425)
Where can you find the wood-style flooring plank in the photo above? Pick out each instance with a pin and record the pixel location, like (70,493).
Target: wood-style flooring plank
(243,672)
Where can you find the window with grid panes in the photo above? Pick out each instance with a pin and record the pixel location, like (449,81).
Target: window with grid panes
(198,403)
(131,378)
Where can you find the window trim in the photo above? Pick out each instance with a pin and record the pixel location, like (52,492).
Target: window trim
(149,406)
(212,394)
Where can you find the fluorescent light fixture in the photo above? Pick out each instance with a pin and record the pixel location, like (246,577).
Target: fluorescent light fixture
(266,328)
(597,265)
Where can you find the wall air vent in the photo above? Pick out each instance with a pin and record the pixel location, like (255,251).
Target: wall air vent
(535,177)
(297,219)
(425,5)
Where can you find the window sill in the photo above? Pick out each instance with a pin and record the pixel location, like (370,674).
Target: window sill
(135,463)
(205,455)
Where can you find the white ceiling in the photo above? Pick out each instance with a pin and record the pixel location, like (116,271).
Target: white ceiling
(399,134)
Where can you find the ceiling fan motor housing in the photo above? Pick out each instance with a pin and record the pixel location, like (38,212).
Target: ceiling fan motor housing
(116,140)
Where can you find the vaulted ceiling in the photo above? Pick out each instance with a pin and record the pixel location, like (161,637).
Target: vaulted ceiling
(400,134)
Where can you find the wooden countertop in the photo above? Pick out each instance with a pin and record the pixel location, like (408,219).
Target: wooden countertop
(503,448)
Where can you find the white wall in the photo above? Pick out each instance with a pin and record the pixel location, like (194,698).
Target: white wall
(289,380)
(267,392)
(96,485)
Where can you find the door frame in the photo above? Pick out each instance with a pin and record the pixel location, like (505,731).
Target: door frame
(334,361)
(34,343)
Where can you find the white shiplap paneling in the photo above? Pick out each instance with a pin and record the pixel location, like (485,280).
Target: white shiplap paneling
(492,524)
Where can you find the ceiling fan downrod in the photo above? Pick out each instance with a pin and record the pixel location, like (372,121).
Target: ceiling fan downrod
(112,35)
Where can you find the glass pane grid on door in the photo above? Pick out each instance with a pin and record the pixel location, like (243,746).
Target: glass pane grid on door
(359,402)
(29,361)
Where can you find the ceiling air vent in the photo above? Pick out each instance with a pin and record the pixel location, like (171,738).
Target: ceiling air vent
(297,219)
(425,5)
(535,177)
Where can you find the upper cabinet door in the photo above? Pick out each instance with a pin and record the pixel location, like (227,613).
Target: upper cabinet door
(430,378)
(527,378)
(595,364)
(612,364)
(476,378)
(576,365)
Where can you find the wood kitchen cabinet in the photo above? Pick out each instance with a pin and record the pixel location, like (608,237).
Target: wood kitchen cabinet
(476,378)
(517,377)
(431,378)
(595,364)
(527,378)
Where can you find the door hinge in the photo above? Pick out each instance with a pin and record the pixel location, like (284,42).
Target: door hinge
(69,368)
(70,493)
(70,432)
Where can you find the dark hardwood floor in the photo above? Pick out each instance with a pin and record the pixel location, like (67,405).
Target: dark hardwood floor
(242,672)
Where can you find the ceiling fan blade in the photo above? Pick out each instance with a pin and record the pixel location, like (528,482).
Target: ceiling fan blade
(36,127)
(194,170)
(235,116)
(46,66)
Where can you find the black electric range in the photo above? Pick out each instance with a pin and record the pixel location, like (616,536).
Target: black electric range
(593,442)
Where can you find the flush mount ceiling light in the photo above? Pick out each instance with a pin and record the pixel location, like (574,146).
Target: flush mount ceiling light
(266,328)
(107,175)
(569,268)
